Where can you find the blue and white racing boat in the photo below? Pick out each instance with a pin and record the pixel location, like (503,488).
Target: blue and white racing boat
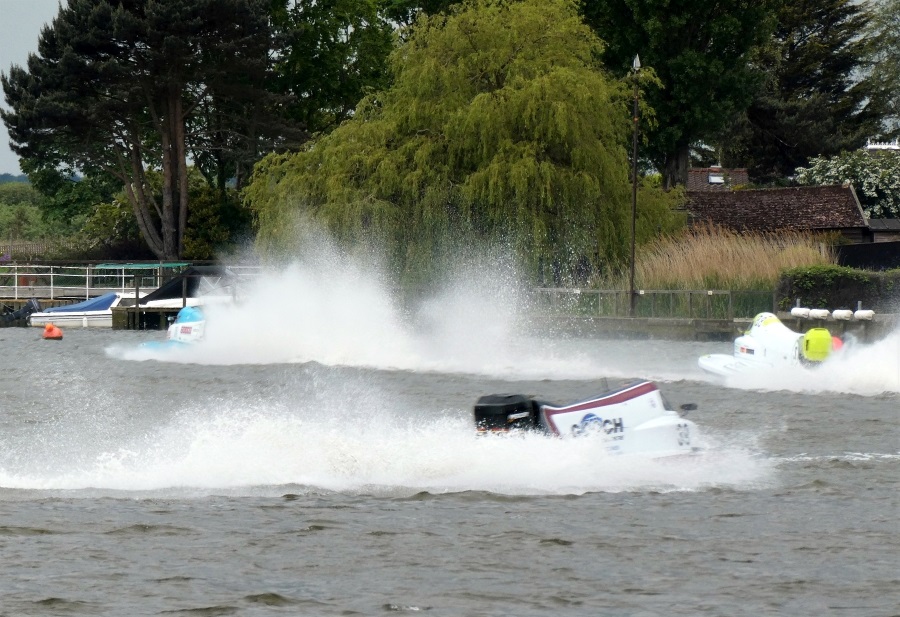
(187,329)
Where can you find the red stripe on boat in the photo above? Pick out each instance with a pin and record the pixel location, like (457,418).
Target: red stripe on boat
(619,396)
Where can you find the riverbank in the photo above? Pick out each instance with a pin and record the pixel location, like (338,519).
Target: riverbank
(676,329)
(662,328)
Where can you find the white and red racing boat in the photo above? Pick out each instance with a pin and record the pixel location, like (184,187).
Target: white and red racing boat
(634,419)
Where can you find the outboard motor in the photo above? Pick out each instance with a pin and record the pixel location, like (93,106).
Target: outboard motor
(505,412)
(32,306)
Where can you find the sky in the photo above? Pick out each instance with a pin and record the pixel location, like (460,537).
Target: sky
(20,26)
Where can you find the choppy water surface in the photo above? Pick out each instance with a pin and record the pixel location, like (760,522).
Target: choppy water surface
(322,462)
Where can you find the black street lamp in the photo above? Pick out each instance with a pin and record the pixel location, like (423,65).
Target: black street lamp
(635,66)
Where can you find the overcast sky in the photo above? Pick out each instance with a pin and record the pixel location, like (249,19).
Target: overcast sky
(20,27)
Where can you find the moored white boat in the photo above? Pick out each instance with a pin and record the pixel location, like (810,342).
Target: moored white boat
(634,419)
(93,312)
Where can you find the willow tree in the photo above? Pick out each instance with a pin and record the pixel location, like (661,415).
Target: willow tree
(499,126)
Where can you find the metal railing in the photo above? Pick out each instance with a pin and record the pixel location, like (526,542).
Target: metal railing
(39,281)
(84,281)
(664,303)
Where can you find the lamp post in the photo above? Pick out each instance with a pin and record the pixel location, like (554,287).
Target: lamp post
(635,66)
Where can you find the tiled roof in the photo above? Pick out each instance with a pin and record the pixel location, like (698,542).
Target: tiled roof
(799,208)
(884,224)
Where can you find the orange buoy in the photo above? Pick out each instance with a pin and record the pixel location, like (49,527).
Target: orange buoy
(836,343)
(52,333)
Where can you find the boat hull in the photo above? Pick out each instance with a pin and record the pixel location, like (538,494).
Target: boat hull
(631,420)
(89,319)
(91,313)
(723,365)
(164,345)
(634,419)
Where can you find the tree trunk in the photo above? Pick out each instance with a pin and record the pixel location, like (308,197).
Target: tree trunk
(181,158)
(171,175)
(677,164)
(135,184)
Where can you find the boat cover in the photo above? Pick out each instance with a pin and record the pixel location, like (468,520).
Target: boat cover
(100,303)
(191,283)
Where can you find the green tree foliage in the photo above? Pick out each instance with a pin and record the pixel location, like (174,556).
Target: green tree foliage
(816,100)
(700,52)
(875,176)
(68,200)
(116,85)
(20,214)
(884,36)
(110,231)
(328,54)
(499,127)
(215,226)
(18,193)
(404,12)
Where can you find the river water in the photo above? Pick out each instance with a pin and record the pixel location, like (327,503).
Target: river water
(321,461)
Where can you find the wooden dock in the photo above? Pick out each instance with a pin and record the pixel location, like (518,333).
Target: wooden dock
(143,318)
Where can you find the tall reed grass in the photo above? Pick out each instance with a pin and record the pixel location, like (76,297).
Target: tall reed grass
(709,257)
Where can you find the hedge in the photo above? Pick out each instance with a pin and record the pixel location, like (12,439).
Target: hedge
(839,287)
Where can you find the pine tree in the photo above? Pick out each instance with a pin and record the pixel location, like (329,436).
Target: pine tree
(884,36)
(817,99)
(117,85)
(701,54)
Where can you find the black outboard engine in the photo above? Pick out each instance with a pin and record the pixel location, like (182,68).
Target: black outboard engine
(10,315)
(32,306)
(505,412)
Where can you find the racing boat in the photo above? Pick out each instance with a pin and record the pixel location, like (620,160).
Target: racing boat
(188,328)
(769,344)
(633,419)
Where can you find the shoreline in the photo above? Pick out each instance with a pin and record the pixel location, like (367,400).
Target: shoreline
(695,329)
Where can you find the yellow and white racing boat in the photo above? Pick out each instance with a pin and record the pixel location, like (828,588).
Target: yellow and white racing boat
(769,344)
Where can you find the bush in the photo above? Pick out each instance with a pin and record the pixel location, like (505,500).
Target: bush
(838,287)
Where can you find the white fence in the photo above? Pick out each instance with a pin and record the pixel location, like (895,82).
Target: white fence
(86,281)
